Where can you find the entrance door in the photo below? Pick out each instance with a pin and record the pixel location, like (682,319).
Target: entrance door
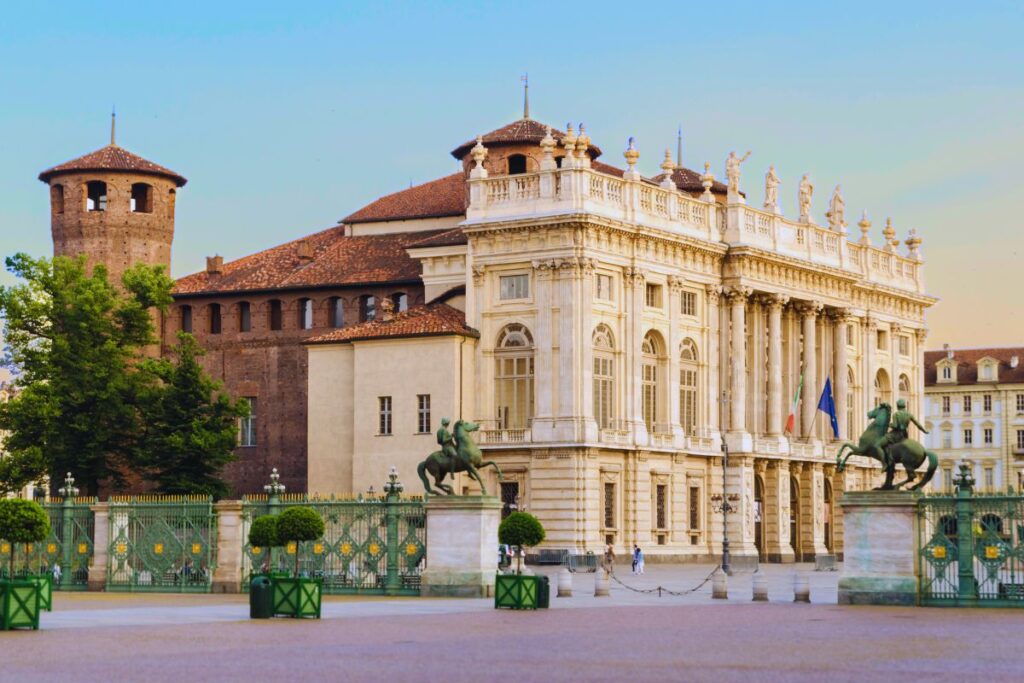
(759,517)
(828,515)
(794,517)
(509,497)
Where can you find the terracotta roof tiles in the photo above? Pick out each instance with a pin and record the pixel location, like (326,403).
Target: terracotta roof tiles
(445,196)
(430,320)
(523,131)
(449,238)
(967,365)
(112,158)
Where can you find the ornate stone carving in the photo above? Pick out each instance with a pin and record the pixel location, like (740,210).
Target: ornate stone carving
(676,283)
(776,300)
(771,190)
(738,296)
(921,334)
(634,277)
(714,293)
(478,274)
(732,171)
(836,214)
(809,308)
(805,193)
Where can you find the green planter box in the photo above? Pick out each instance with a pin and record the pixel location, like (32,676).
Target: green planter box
(516,591)
(19,604)
(45,583)
(296,597)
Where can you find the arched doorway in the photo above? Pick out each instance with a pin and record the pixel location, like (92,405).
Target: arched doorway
(759,517)
(828,515)
(794,517)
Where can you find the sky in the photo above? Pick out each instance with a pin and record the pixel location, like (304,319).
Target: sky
(285,117)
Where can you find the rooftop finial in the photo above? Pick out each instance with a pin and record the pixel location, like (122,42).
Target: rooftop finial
(113,126)
(679,147)
(525,78)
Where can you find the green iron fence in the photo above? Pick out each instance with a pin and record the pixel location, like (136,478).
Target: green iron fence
(971,549)
(66,552)
(373,546)
(162,543)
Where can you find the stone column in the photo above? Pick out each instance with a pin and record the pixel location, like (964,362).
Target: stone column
(738,359)
(775,417)
(568,382)
(920,335)
(675,339)
(756,366)
(798,509)
(635,279)
(812,511)
(590,430)
(484,365)
(100,547)
(227,577)
(543,338)
(461,556)
(809,396)
(840,374)
(868,329)
(714,368)
(895,329)
(776,512)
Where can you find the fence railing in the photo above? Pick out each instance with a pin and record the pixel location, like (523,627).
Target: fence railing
(66,553)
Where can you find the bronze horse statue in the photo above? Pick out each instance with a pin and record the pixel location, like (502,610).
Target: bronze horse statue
(908,452)
(469,459)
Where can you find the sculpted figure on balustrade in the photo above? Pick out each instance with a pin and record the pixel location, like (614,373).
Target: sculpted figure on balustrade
(806,192)
(836,211)
(732,171)
(771,190)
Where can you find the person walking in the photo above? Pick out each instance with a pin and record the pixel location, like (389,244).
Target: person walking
(639,560)
(636,552)
(609,559)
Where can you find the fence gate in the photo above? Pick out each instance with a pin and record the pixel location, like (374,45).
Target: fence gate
(69,545)
(971,549)
(374,547)
(162,543)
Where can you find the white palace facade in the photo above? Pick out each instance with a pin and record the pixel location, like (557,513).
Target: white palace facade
(609,331)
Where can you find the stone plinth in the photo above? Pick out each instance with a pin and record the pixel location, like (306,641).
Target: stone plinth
(462,546)
(227,577)
(880,541)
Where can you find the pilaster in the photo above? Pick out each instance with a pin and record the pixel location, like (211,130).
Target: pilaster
(714,366)
(776,512)
(809,311)
(775,305)
(738,438)
(100,547)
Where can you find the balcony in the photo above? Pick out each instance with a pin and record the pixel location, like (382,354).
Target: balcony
(616,433)
(493,436)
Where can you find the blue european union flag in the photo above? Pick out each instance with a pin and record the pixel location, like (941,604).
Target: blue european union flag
(827,405)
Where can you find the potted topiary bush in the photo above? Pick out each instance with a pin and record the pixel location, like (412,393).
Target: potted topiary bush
(263,535)
(519,591)
(21,521)
(298,596)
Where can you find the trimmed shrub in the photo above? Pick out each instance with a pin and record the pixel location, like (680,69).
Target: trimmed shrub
(520,529)
(299,524)
(22,521)
(263,532)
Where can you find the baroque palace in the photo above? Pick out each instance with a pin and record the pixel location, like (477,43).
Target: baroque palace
(610,332)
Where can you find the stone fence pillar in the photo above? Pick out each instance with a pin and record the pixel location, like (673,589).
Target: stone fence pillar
(880,563)
(462,546)
(100,547)
(227,577)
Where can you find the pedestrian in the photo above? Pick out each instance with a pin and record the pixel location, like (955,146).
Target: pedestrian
(609,559)
(636,552)
(56,573)
(639,560)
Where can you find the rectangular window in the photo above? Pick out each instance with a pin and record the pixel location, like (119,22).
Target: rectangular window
(652,296)
(275,314)
(694,508)
(904,345)
(968,437)
(603,287)
(214,318)
(604,383)
(947,372)
(661,506)
(423,413)
(1020,403)
(514,286)
(186,319)
(881,342)
(244,317)
(247,425)
(990,478)
(384,415)
(947,438)
(609,505)
(688,303)
(988,436)
(1020,439)
(851,335)
(967,405)
(688,400)
(650,395)
(945,405)
(986,402)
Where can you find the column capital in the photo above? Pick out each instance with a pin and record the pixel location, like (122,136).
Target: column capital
(869,321)
(776,301)
(738,296)
(809,309)
(921,334)
(840,315)
(760,466)
(676,283)
(634,277)
(896,328)
(714,293)
(796,467)
(478,274)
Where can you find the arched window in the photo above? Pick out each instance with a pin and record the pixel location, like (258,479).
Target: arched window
(95,195)
(305,311)
(604,376)
(57,198)
(652,372)
(244,316)
(401,301)
(851,401)
(186,319)
(214,311)
(516,164)
(142,198)
(274,314)
(513,375)
(904,386)
(335,312)
(883,388)
(688,389)
(367,308)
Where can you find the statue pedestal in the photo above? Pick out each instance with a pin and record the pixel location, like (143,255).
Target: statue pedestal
(880,548)
(462,546)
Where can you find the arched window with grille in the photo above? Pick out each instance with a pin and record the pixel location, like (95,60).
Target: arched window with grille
(904,386)
(513,377)
(688,389)
(883,387)
(652,351)
(604,376)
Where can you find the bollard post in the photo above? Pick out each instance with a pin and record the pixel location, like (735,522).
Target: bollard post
(601,584)
(564,583)
(801,588)
(760,587)
(720,586)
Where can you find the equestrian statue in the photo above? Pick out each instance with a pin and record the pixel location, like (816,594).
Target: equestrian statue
(458,453)
(886,440)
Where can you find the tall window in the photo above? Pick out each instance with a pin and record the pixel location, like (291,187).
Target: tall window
(274,314)
(945,405)
(142,198)
(335,312)
(247,424)
(305,314)
(1020,403)
(214,310)
(694,508)
(609,505)
(603,287)
(604,377)
(968,436)
(57,198)
(947,438)
(186,319)
(384,415)
(990,479)
(661,506)
(1020,439)
(514,286)
(513,377)
(652,295)
(367,308)
(96,195)
(688,390)
(244,316)
(883,388)
(881,340)
(423,413)
(967,405)
(988,436)
(947,372)
(401,301)
(649,349)
(688,303)
(904,345)
(986,403)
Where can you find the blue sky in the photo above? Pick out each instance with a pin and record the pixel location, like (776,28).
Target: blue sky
(286,117)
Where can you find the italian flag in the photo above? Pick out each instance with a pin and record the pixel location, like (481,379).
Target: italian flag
(791,420)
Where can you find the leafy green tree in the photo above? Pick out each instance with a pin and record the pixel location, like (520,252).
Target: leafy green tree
(193,424)
(22,521)
(297,525)
(520,529)
(76,341)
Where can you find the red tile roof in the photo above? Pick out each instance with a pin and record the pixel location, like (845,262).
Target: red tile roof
(336,260)
(523,131)
(449,238)
(430,320)
(112,158)
(689,181)
(967,365)
(446,196)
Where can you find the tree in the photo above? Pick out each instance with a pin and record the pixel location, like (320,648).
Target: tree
(297,525)
(76,340)
(22,521)
(193,425)
(520,529)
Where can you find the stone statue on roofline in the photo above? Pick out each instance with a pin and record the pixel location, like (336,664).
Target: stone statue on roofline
(836,211)
(732,171)
(806,192)
(771,190)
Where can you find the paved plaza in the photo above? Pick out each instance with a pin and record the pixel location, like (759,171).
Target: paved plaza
(628,636)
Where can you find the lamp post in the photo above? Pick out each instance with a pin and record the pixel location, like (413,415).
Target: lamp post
(392,492)
(67,535)
(274,490)
(721,502)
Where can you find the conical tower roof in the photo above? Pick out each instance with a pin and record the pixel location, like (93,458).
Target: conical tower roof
(113,159)
(521,132)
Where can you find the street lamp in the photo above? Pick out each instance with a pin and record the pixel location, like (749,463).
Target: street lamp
(721,502)
(392,487)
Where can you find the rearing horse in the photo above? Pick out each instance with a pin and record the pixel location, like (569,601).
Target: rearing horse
(469,459)
(908,452)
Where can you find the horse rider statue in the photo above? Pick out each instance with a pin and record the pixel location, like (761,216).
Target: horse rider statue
(899,428)
(891,446)
(458,453)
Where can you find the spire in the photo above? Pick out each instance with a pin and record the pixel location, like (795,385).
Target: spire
(525,78)
(113,126)
(679,147)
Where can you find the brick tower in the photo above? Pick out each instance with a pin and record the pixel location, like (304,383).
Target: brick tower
(114,207)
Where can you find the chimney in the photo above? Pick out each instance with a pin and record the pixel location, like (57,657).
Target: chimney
(304,251)
(949,351)
(214,264)
(1014,360)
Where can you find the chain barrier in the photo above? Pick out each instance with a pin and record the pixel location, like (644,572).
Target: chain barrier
(661,589)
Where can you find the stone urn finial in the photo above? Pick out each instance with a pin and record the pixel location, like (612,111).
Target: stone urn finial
(865,227)
(632,155)
(889,233)
(913,243)
(707,180)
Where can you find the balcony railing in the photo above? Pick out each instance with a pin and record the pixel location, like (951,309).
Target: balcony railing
(494,436)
